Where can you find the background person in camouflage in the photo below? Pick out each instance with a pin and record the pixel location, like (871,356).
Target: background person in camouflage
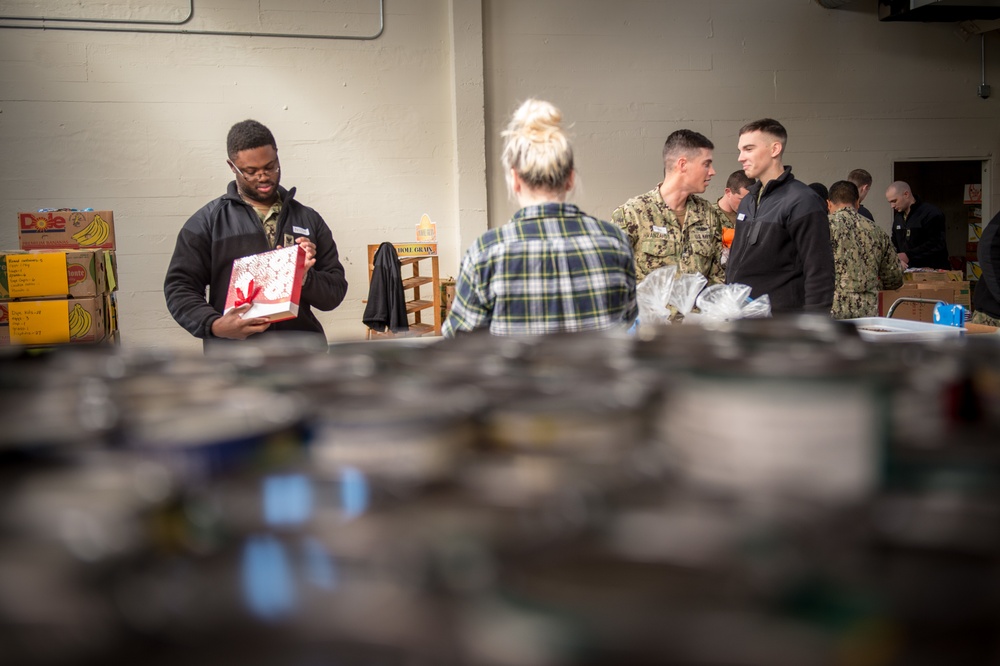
(863,256)
(669,225)
(736,188)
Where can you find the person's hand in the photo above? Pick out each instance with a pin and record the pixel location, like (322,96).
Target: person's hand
(232,326)
(904,260)
(310,249)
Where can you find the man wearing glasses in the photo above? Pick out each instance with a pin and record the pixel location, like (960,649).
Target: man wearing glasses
(255,215)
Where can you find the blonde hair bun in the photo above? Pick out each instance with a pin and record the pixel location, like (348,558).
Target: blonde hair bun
(537,148)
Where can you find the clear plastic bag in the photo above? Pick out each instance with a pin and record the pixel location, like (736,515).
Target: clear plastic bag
(664,294)
(732,301)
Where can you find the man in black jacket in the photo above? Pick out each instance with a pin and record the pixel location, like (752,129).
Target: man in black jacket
(987,295)
(255,215)
(782,243)
(918,229)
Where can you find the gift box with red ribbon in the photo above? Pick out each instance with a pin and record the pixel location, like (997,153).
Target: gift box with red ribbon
(271,282)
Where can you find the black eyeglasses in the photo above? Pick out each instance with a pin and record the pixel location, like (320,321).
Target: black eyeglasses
(272,169)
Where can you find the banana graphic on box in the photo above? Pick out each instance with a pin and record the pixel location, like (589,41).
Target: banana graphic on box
(79,322)
(94,233)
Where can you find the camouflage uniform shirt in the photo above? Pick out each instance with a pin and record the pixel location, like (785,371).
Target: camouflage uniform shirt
(863,256)
(728,219)
(659,239)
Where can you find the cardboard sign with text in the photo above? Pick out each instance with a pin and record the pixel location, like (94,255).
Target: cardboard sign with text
(73,273)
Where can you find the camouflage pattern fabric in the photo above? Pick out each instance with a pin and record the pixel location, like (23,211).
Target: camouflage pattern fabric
(269,220)
(728,219)
(980,317)
(658,239)
(864,261)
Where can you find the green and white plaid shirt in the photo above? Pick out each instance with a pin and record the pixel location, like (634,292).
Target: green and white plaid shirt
(550,269)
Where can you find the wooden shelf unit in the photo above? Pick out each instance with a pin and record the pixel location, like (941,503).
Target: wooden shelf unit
(421,276)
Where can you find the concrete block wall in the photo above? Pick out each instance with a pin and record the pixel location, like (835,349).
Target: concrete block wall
(137,123)
(375,133)
(852,91)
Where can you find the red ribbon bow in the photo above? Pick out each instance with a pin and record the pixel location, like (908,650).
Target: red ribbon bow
(243,299)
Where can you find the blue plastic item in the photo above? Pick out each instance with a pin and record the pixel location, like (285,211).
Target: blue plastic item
(947,314)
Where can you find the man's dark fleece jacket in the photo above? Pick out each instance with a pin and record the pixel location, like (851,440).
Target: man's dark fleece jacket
(782,246)
(987,293)
(921,235)
(227,229)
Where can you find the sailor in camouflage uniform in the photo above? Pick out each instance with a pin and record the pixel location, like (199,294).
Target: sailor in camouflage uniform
(863,256)
(727,206)
(669,224)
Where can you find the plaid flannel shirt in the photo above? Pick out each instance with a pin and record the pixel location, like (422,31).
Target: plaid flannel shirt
(550,269)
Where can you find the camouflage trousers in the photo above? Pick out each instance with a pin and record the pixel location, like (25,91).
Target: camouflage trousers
(983,318)
(853,304)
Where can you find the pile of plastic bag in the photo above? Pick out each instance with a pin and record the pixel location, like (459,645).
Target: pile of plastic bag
(666,296)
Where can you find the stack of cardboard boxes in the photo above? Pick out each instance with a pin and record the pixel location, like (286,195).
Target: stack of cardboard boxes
(973,199)
(59,287)
(929,284)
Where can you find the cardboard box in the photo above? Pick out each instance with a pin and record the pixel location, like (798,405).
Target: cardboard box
(4,324)
(973,271)
(55,321)
(916,311)
(111,269)
(66,230)
(932,275)
(973,194)
(271,281)
(975,232)
(61,273)
(447,296)
(110,313)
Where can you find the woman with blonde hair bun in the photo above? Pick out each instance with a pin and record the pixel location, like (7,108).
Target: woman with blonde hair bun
(551,268)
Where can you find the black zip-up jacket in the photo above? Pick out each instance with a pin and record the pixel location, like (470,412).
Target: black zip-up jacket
(386,298)
(921,236)
(987,296)
(782,246)
(228,228)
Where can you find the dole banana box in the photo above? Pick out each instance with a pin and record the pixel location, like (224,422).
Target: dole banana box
(39,274)
(66,230)
(56,321)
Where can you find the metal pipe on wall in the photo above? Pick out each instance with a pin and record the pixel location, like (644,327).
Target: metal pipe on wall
(164,31)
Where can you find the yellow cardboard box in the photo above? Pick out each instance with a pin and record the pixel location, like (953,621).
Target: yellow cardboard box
(55,321)
(39,274)
(66,230)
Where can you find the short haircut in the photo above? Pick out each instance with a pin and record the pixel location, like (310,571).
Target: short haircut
(899,186)
(684,142)
(738,180)
(247,135)
(537,148)
(767,126)
(820,189)
(860,177)
(844,192)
